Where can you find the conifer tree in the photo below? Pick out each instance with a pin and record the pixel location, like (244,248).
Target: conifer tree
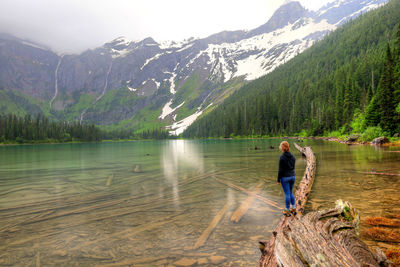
(396,77)
(386,94)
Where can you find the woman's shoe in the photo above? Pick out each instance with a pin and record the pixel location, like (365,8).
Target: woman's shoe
(286,213)
(293,211)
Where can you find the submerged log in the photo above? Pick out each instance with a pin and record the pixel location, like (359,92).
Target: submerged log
(241,211)
(236,187)
(321,238)
(109,180)
(381,173)
(204,236)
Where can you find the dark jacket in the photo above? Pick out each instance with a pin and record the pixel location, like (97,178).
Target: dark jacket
(286,165)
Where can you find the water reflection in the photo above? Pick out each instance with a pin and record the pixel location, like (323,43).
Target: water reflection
(180,157)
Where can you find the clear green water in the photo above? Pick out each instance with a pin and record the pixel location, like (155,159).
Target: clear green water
(147,203)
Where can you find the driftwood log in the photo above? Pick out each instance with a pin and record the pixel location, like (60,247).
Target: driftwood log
(320,238)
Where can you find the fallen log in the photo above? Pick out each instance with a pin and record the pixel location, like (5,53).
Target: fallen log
(241,211)
(304,188)
(321,238)
(325,238)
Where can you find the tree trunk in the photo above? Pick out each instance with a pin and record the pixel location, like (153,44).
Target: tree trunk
(320,238)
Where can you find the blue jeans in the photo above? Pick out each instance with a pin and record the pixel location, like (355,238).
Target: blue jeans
(287,185)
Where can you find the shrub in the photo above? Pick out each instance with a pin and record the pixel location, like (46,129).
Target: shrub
(358,123)
(19,140)
(371,133)
(303,133)
(336,134)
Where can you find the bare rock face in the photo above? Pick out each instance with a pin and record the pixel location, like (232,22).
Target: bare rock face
(380,141)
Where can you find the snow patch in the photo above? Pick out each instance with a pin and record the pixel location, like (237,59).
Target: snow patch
(185,47)
(33,45)
(151,59)
(122,40)
(179,127)
(262,61)
(176,45)
(157,83)
(120,53)
(364,9)
(172,81)
(168,110)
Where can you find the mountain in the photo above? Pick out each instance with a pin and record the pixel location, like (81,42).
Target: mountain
(346,83)
(149,84)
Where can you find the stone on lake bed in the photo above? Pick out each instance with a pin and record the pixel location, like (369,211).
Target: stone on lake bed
(241,253)
(217,259)
(202,261)
(185,262)
(61,253)
(256,238)
(138,169)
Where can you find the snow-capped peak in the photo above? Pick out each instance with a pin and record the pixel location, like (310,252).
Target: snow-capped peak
(170,44)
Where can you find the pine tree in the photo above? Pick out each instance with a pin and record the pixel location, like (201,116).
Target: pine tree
(396,77)
(386,94)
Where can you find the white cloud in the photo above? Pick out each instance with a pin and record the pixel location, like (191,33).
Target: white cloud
(75,25)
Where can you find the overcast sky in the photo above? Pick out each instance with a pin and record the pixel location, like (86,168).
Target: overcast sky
(75,25)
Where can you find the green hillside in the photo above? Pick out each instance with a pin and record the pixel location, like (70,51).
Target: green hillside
(348,82)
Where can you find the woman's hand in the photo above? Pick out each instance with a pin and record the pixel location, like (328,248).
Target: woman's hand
(279,183)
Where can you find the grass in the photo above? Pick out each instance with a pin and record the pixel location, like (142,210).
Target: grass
(15,102)
(146,119)
(72,112)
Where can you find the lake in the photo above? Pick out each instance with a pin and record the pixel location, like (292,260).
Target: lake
(147,203)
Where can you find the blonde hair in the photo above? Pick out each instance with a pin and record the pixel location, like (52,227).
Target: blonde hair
(284,146)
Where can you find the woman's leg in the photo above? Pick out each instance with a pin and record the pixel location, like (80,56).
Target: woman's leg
(291,185)
(286,189)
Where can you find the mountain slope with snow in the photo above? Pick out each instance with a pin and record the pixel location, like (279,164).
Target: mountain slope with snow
(142,84)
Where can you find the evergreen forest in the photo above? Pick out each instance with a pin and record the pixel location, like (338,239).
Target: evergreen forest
(347,83)
(39,129)
(28,129)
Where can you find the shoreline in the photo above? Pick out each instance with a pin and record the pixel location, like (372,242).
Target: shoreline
(337,140)
(81,142)
(330,139)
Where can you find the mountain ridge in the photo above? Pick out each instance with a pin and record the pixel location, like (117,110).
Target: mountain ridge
(139,84)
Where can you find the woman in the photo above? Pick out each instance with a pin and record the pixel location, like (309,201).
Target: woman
(287,177)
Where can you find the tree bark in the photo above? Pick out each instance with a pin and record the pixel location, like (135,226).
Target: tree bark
(320,238)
